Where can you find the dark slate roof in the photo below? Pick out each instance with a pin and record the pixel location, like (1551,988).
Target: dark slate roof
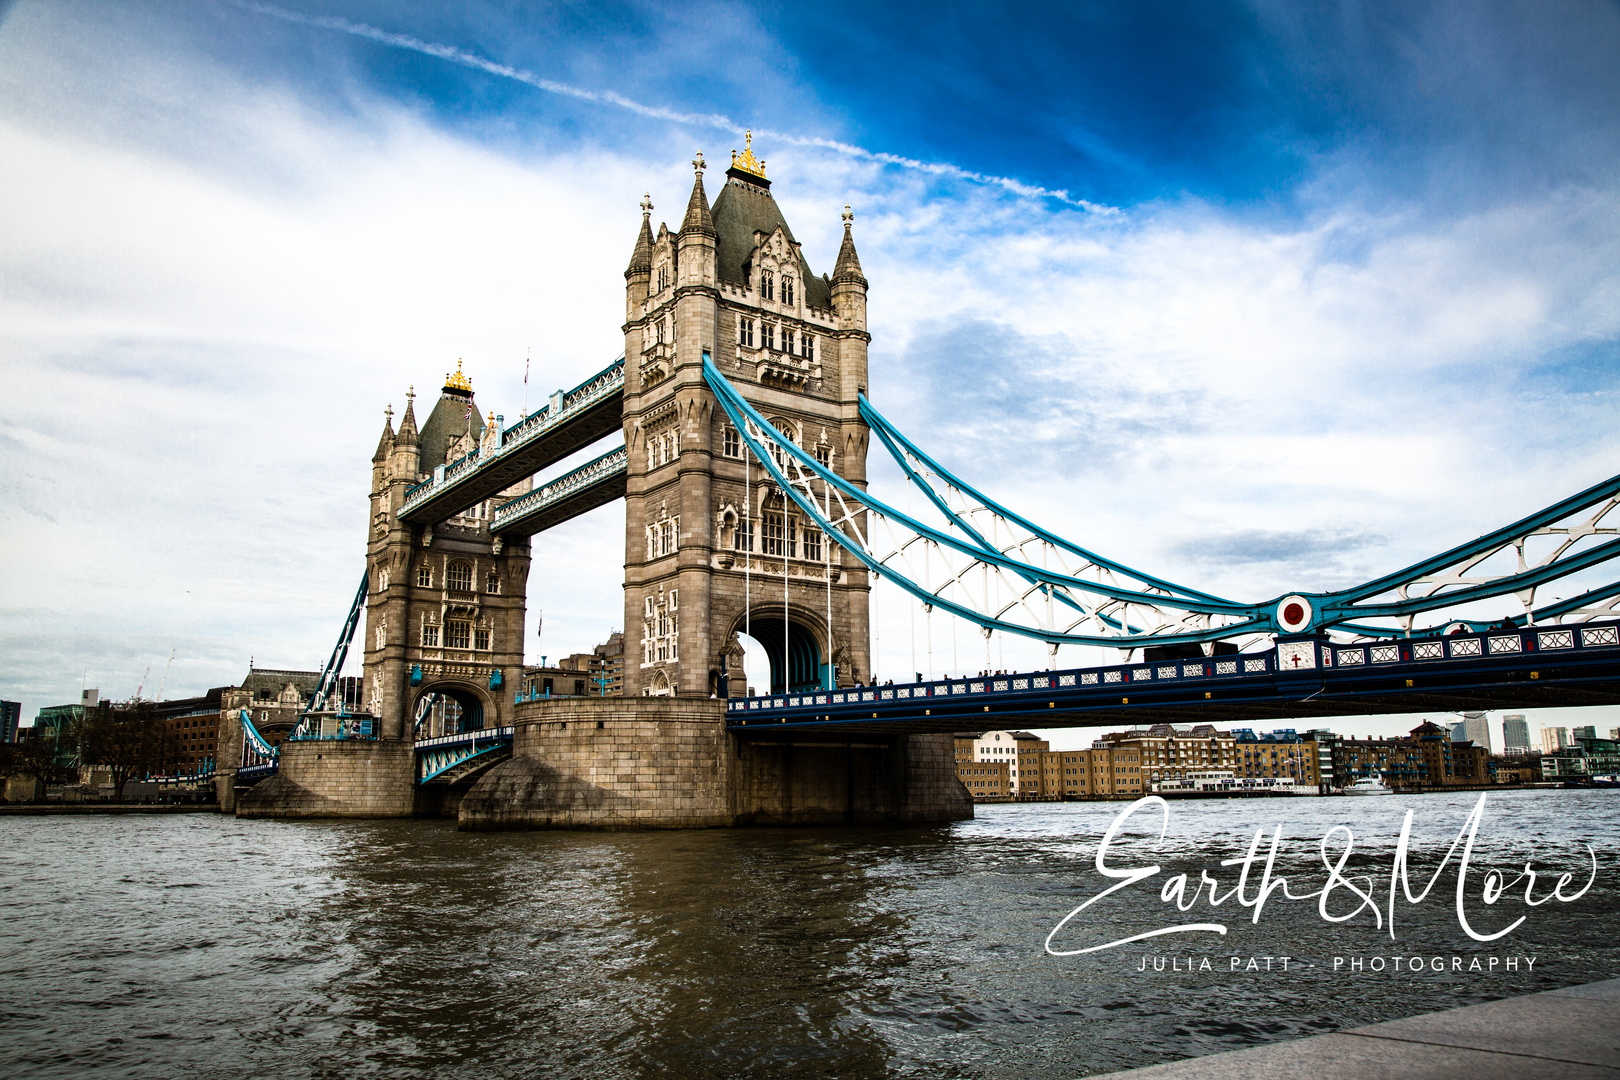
(739,211)
(447,421)
(275,679)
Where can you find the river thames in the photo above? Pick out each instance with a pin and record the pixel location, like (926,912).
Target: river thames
(201,945)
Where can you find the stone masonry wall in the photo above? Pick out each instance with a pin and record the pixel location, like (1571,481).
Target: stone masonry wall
(360,778)
(648,763)
(608,763)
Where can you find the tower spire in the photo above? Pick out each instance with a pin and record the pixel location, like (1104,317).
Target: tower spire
(385,445)
(698,220)
(407,423)
(641,257)
(848,267)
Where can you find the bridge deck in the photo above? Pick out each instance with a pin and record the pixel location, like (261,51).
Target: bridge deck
(1535,667)
(572,421)
(581,491)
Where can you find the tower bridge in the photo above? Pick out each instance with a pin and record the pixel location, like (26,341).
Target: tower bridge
(742,401)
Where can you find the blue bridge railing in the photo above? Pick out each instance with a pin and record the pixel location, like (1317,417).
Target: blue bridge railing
(1310,664)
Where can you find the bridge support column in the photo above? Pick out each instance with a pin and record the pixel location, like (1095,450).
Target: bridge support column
(321,779)
(670,763)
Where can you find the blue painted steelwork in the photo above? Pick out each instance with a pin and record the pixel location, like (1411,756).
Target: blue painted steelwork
(1103,602)
(330,674)
(1300,676)
(437,758)
(259,758)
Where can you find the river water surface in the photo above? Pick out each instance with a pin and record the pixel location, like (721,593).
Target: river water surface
(205,946)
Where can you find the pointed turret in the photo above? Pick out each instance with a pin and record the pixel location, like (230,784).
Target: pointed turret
(641,258)
(848,268)
(698,222)
(385,445)
(408,435)
(405,459)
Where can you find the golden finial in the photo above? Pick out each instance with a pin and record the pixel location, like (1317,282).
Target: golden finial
(746,161)
(458,381)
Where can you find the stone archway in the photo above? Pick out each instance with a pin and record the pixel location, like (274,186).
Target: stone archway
(448,708)
(794,646)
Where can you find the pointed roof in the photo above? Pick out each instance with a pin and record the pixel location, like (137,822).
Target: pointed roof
(641,257)
(698,220)
(385,445)
(743,208)
(407,423)
(452,417)
(848,267)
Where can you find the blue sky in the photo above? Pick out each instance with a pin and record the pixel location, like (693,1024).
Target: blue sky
(1256,296)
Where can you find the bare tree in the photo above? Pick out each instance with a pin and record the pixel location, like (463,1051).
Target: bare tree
(128,740)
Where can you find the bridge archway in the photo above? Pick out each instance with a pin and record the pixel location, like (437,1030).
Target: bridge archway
(454,708)
(799,649)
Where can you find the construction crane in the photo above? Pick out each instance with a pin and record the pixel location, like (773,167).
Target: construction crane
(165,681)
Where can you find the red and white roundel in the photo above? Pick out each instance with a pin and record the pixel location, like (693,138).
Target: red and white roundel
(1293,613)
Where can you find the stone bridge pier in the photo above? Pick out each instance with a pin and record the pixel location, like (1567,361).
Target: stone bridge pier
(670,763)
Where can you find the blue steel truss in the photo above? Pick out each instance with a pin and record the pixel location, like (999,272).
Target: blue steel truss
(997,569)
(328,684)
(259,758)
(452,757)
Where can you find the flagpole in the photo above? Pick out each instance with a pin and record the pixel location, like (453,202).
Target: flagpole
(526,351)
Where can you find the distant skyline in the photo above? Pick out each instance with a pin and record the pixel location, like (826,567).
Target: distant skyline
(1257,296)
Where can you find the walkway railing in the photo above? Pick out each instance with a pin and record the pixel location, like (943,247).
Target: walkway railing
(562,407)
(1114,685)
(611,464)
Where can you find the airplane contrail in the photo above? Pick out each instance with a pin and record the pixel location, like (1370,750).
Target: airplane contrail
(716,121)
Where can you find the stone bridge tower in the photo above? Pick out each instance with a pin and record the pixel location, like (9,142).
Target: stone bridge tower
(711,548)
(445,612)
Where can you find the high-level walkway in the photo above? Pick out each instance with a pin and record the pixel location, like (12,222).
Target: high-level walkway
(569,422)
(1559,1035)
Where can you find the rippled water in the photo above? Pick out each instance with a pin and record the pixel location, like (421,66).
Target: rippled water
(206,946)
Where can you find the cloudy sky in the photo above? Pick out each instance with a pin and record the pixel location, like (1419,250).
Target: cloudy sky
(1258,297)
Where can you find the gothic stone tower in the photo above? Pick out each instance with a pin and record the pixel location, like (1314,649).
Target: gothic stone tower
(707,553)
(445,610)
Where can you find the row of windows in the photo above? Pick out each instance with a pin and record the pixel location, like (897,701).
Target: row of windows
(663,537)
(458,634)
(779,536)
(661,628)
(731,447)
(458,577)
(663,449)
(801,342)
(767,287)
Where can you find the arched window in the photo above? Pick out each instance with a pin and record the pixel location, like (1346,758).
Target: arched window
(768,334)
(424,576)
(492,584)
(787,290)
(767,285)
(459,577)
